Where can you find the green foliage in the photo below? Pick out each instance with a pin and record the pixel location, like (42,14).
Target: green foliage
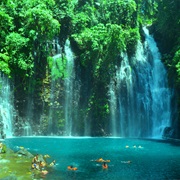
(61,123)
(167,29)
(4,148)
(81,21)
(4,66)
(15,42)
(148,10)
(176,62)
(131,38)
(15,46)
(33,25)
(101,44)
(58,67)
(100,29)
(41,23)
(63,8)
(168,23)
(121,12)
(6,25)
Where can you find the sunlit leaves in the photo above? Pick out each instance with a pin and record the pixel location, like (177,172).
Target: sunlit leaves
(118,12)
(5,26)
(121,11)
(33,24)
(58,67)
(15,41)
(81,21)
(4,66)
(16,46)
(40,22)
(46,4)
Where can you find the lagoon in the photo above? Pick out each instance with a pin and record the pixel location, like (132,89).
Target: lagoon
(150,159)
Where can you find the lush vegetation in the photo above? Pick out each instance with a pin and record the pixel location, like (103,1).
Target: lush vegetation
(167,33)
(98,30)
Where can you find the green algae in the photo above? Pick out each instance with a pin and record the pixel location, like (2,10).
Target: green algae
(17,166)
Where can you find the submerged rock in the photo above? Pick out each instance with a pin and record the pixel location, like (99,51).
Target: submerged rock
(24,152)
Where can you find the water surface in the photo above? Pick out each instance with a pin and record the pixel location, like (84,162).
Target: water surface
(151,159)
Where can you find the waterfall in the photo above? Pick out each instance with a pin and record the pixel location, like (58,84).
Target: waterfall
(63,70)
(29,111)
(72,87)
(113,108)
(27,129)
(69,88)
(6,108)
(55,71)
(161,95)
(142,102)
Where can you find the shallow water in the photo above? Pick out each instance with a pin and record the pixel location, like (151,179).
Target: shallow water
(151,159)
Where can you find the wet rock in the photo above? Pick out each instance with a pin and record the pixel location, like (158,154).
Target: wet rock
(24,152)
(168,132)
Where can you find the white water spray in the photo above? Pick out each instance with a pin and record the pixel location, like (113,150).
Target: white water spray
(161,95)
(6,106)
(143,105)
(69,88)
(52,119)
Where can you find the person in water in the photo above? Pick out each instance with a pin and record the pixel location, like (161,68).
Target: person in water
(52,164)
(102,160)
(104,165)
(72,168)
(42,164)
(35,159)
(126,162)
(34,166)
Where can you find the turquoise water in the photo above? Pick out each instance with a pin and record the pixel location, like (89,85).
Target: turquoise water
(151,159)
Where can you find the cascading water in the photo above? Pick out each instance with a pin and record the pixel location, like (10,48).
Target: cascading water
(6,108)
(113,108)
(123,98)
(63,67)
(161,95)
(52,119)
(29,112)
(69,88)
(142,100)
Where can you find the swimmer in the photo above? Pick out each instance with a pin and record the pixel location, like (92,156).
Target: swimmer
(126,162)
(99,160)
(35,159)
(72,168)
(102,160)
(44,172)
(42,164)
(35,166)
(46,156)
(104,166)
(53,163)
(127,146)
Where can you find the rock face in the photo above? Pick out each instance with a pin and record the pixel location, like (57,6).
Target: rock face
(168,132)
(24,152)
